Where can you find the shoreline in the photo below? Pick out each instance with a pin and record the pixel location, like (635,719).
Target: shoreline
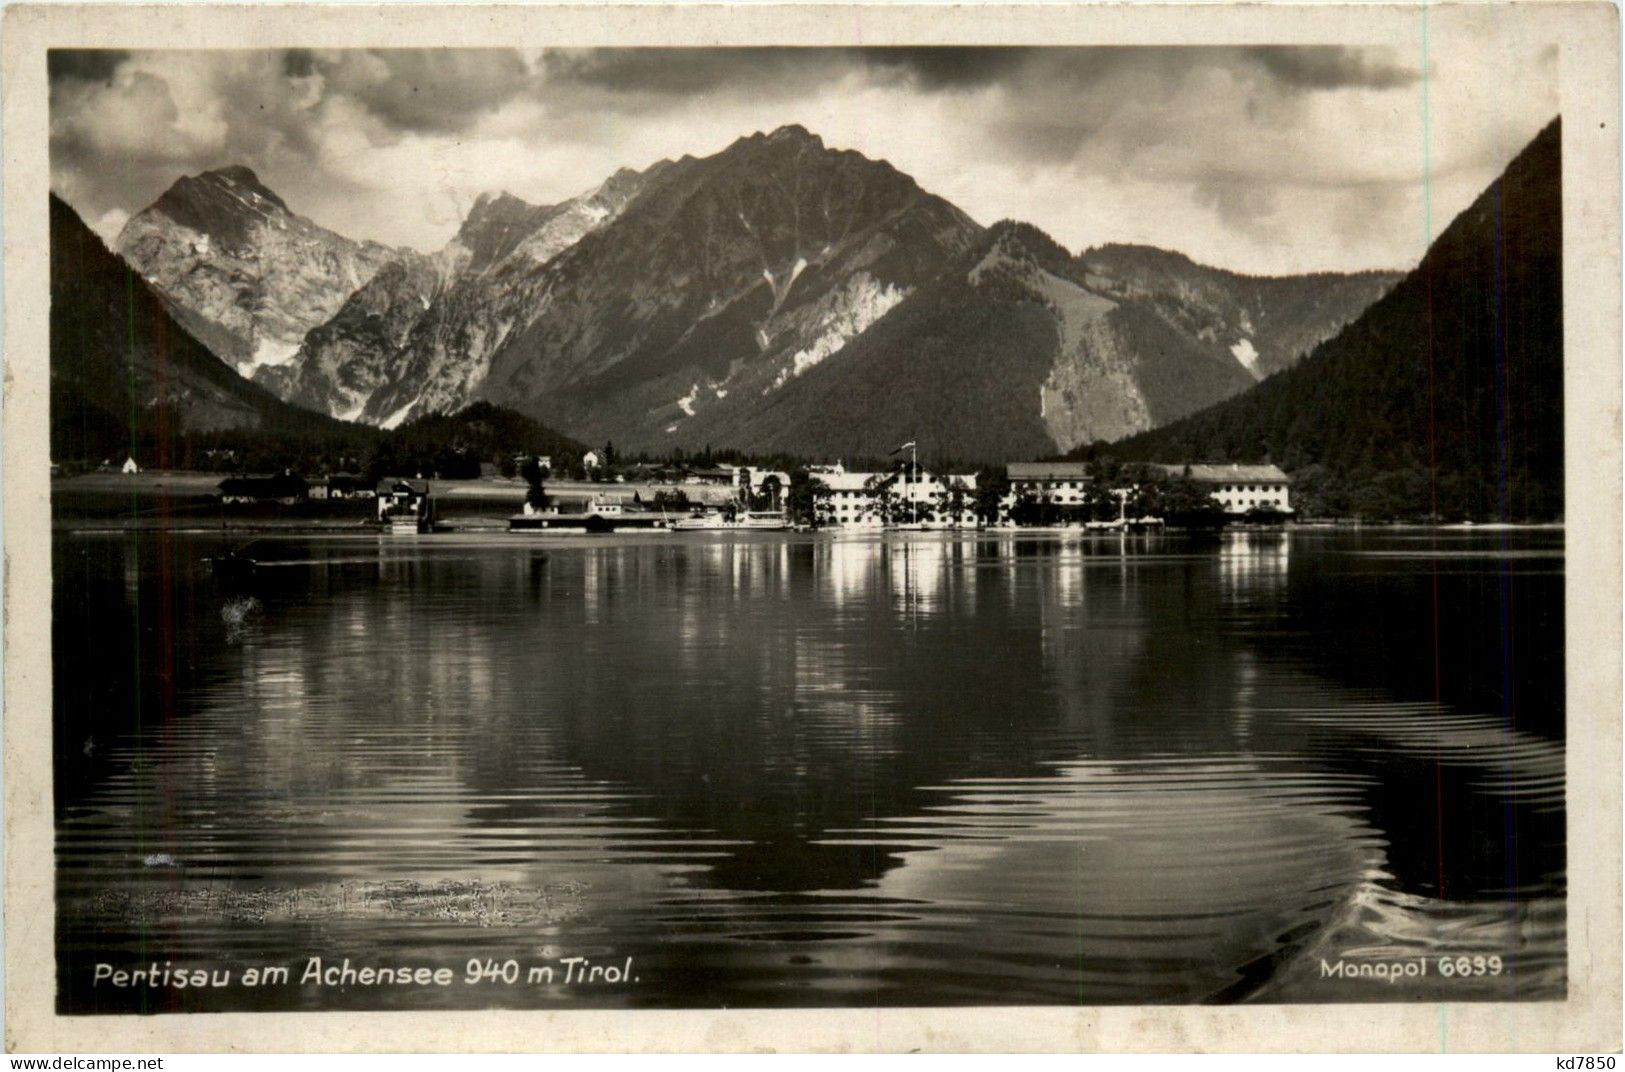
(477,525)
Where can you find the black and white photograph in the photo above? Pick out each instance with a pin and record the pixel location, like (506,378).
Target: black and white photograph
(779,526)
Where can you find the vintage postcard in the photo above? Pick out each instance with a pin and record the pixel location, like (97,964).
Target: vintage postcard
(837,528)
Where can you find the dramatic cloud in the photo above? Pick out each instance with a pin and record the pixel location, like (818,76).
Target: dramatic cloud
(437,90)
(1264,159)
(689,72)
(83,65)
(1333,68)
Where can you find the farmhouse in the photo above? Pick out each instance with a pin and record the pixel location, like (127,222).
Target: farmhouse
(342,486)
(405,504)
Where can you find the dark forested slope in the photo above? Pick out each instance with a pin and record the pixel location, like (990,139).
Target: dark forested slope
(1445,398)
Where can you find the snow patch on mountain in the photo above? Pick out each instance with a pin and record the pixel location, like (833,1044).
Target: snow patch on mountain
(1246,354)
(269,351)
(395,419)
(781,288)
(578,217)
(847,313)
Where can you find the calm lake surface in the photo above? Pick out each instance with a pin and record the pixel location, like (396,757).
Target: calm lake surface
(813,770)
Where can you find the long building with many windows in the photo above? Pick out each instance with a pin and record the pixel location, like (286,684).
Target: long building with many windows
(1241,488)
(874,500)
(1062,483)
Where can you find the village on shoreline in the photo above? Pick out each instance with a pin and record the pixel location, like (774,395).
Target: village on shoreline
(602,496)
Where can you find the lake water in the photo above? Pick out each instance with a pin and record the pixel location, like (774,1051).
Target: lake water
(813,770)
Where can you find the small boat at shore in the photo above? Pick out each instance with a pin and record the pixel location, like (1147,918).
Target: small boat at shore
(232,566)
(407,526)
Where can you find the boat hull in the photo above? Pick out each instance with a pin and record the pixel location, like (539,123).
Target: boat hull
(695,524)
(588,523)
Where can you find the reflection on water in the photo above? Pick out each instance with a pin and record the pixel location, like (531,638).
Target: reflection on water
(910,769)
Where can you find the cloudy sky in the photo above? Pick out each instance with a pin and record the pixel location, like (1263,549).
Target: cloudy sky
(1263,160)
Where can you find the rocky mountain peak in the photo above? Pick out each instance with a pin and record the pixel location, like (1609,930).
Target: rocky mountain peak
(626,182)
(241,175)
(796,132)
(496,210)
(496,201)
(496,224)
(792,138)
(222,203)
(241,271)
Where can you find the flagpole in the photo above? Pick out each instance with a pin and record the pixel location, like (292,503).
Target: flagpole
(910,478)
(914,479)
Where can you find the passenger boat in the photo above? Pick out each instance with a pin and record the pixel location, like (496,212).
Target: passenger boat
(601,515)
(755,521)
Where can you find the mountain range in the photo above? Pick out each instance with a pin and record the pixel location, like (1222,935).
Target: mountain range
(778,296)
(1018,349)
(1445,397)
(127,377)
